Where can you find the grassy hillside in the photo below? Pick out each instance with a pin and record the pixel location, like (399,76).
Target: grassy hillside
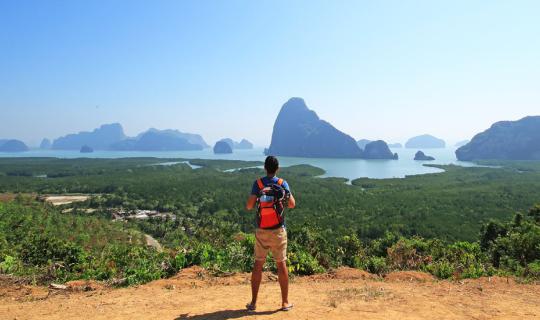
(43,244)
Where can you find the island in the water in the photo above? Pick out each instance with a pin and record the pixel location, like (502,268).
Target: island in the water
(425,141)
(298,132)
(45,144)
(421,156)
(243,144)
(112,137)
(378,150)
(191,138)
(86,149)
(222,147)
(157,140)
(12,145)
(505,140)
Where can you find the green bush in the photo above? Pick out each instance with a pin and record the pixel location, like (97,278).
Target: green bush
(375,265)
(442,269)
(43,250)
(406,254)
(9,265)
(350,251)
(301,262)
(533,270)
(135,264)
(239,254)
(180,260)
(468,259)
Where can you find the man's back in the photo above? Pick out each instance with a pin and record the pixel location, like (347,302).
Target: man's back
(270,234)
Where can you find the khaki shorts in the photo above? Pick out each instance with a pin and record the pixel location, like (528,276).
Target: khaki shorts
(274,240)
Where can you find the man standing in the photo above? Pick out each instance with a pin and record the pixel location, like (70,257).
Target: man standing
(270,234)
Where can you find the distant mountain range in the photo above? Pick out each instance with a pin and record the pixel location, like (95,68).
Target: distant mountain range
(112,137)
(298,132)
(99,139)
(505,140)
(189,137)
(155,140)
(425,141)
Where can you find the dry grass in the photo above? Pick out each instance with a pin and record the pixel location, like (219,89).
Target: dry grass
(366,293)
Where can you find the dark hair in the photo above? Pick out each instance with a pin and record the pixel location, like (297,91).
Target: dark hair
(271,164)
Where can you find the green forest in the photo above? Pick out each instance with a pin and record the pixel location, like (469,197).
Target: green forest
(464,222)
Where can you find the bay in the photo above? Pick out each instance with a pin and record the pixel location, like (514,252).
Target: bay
(346,168)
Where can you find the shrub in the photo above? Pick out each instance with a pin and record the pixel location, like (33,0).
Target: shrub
(9,265)
(468,259)
(375,265)
(301,262)
(533,270)
(180,260)
(442,269)
(42,250)
(379,247)
(349,251)
(135,264)
(519,247)
(404,255)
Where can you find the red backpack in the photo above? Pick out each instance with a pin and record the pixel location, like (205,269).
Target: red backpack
(270,205)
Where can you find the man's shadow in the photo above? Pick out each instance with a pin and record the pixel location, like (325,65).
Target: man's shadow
(226,314)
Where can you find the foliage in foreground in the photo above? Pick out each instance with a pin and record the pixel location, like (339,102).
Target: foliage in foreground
(40,242)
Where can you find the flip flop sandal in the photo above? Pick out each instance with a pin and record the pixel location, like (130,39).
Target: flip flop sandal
(250,307)
(287,308)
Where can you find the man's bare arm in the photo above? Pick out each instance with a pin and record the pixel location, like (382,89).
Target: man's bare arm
(292,202)
(251,202)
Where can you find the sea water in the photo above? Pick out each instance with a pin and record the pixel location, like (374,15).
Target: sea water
(346,168)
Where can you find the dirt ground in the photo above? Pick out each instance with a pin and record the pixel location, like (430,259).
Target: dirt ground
(345,294)
(57,200)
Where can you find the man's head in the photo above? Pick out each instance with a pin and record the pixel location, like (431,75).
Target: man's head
(271,165)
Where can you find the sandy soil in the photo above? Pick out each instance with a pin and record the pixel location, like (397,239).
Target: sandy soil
(150,241)
(65,199)
(345,294)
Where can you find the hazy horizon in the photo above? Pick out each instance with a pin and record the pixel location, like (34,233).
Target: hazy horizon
(376,70)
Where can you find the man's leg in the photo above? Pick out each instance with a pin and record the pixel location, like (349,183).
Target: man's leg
(256,277)
(283,277)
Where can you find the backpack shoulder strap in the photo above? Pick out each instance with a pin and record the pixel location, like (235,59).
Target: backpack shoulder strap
(280,181)
(260,184)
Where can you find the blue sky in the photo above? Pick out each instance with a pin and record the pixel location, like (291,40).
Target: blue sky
(374,69)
